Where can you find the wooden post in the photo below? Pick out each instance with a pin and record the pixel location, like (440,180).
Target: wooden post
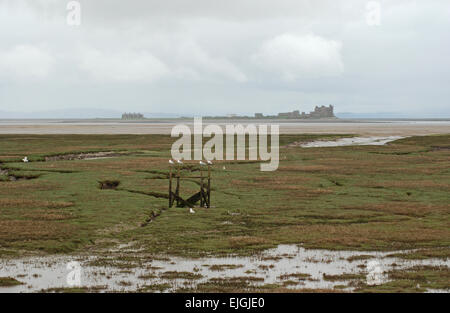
(201,187)
(208,204)
(177,190)
(170,186)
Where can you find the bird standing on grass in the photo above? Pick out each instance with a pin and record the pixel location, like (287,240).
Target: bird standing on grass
(209,162)
(202,163)
(171,162)
(179,162)
(25,159)
(191,210)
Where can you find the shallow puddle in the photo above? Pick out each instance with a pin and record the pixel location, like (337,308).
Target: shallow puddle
(282,265)
(353,141)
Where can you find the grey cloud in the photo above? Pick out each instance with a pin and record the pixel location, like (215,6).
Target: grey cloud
(225,56)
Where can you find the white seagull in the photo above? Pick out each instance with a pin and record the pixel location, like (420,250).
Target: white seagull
(179,162)
(191,210)
(209,162)
(202,163)
(25,159)
(171,162)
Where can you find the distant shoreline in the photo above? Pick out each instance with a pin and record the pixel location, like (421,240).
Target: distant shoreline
(218,119)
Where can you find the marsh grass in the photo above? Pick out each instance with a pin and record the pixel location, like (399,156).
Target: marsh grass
(361,197)
(414,279)
(9,282)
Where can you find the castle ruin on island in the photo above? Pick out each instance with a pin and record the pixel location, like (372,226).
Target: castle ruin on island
(319,112)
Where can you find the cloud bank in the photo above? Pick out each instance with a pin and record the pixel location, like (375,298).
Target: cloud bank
(208,57)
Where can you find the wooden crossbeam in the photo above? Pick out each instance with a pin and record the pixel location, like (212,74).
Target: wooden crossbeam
(204,195)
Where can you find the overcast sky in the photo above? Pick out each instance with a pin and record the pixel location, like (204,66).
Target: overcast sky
(226,56)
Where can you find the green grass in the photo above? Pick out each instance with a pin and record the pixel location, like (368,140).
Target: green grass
(415,279)
(74,289)
(9,282)
(180,275)
(345,276)
(361,197)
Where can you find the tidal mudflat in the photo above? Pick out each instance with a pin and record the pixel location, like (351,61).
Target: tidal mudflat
(364,128)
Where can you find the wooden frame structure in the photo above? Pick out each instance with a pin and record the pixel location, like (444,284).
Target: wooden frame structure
(204,194)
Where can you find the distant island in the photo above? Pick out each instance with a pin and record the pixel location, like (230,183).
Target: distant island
(133,116)
(318,113)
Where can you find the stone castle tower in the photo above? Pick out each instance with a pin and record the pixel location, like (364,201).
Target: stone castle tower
(322,112)
(319,112)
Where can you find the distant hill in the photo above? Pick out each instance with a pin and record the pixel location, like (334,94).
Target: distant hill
(79,113)
(368,115)
(69,113)
(387,115)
